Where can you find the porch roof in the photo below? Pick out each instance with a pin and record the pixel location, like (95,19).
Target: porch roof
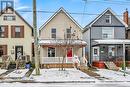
(58,42)
(113,41)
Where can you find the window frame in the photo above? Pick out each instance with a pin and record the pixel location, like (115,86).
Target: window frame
(2,32)
(68,33)
(16,27)
(106,29)
(9,18)
(48,52)
(52,33)
(108,17)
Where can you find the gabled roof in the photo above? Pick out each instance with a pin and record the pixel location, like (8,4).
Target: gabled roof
(2,12)
(98,17)
(57,12)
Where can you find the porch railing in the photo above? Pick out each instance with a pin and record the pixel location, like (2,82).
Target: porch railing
(49,60)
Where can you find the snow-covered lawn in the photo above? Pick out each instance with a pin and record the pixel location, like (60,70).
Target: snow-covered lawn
(123,84)
(113,75)
(2,71)
(17,73)
(56,75)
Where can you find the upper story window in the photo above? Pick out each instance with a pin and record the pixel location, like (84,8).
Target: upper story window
(68,33)
(53,33)
(9,18)
(3,31)
(17,31)
(107,32)
(108,18)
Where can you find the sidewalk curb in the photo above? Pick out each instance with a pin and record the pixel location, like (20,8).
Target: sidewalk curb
(31,81)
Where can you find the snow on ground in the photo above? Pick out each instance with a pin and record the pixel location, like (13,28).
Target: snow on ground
(17,73)
(2,71)
(56,75)
(124,84)
(113,75)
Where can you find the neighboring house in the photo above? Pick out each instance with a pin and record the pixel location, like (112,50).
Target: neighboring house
(61,36)
(105,36)
(15,34)
(127,21)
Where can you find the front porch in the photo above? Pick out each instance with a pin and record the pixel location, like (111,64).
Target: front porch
(115,51)
(58,52)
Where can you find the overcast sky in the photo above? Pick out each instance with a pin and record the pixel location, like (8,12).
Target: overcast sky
(72,6)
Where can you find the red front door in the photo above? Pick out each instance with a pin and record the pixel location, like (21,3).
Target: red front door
(69,52)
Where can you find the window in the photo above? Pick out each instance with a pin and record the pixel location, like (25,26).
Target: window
(3,50)
(17,32)
(108,18)
(111,51)
(2,30)
(51,52)
(68,31)
(53,33)
(9,18)
(95,51)
(107,32)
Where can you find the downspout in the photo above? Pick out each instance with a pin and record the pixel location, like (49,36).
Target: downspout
(90,56)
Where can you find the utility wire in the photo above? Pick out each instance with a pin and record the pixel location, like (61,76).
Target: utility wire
(84,9)
(111,2)
(48,12)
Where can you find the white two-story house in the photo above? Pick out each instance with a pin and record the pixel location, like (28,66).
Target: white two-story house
(61,36)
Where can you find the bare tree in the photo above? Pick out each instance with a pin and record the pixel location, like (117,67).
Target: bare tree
(65,44)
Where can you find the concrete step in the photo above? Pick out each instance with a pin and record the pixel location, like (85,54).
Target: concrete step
(111,66)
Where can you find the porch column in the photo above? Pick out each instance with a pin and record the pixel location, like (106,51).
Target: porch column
(124,65)
(83,51)
(66,59)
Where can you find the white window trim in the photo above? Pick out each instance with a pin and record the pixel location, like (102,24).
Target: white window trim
(47,51)
(109,18)
(18,31)
(111,46)
(113,34)
(51,33)
(96,57)
(97,50)
(11,16)
(67,33)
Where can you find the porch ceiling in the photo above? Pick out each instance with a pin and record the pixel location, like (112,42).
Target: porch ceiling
(113,41)
(61,42)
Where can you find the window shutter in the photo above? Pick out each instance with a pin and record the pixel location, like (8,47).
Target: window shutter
(6,32)
(13,31)
(22,31)
(5,49)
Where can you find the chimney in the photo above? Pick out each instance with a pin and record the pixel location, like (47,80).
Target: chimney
(125,16)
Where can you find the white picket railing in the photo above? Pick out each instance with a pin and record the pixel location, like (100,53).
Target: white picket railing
(49,60)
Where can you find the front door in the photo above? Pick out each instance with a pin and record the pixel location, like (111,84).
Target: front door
(18,51)
(69,52)
(95,53)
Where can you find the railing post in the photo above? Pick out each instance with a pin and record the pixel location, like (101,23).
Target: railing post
(66,59)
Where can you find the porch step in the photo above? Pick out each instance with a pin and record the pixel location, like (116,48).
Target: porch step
(28,73)
(111,66)
(6,73)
